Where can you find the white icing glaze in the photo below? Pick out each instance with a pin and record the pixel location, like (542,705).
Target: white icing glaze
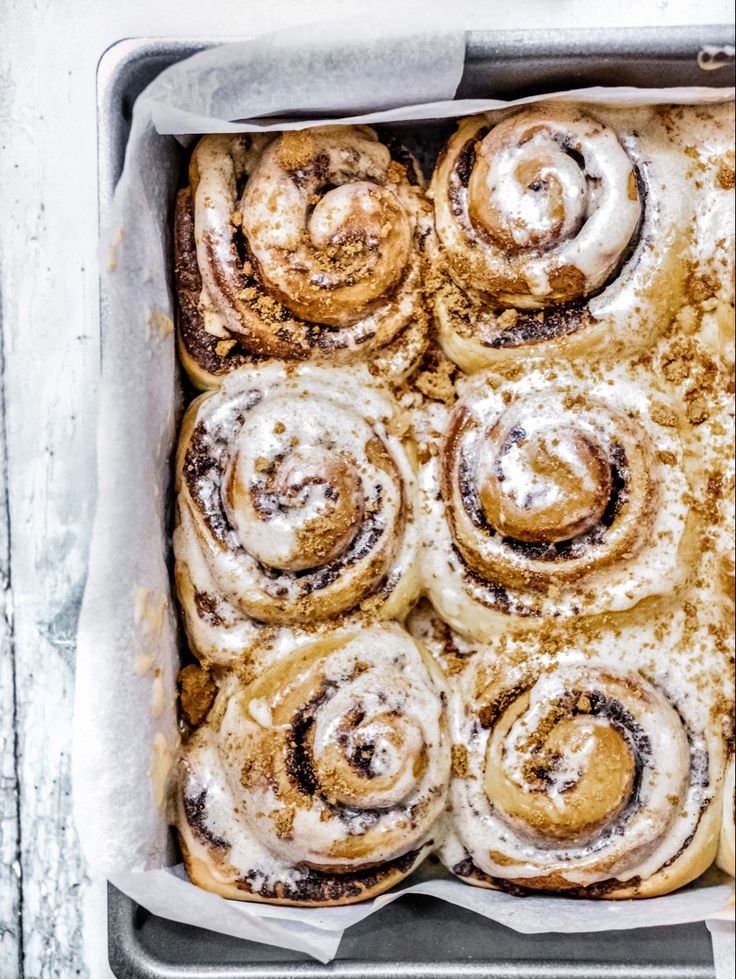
(215,322)
(610,410)
(302,481)
(678,770)
(630,274)
(337,235)
(370,692)
(551,189)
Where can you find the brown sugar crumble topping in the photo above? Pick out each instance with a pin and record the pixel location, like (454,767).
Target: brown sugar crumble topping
(685,360)
(296,150)
(197,692)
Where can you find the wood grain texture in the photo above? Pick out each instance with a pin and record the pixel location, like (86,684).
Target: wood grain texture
(50,371)
(11,927)
(51,912)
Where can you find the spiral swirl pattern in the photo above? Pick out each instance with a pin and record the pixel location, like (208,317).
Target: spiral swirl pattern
(569,529)
(578,776)
(324,778)
(552,502)
(545,221)
(294,507)
(540,210)
(319,255)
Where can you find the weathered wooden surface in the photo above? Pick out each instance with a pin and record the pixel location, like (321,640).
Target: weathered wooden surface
(10,923)
(51,911)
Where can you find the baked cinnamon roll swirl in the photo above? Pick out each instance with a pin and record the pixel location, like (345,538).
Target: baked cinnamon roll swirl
(321,782)
(559,234)
(577,776)
(295,508)
(310,247)
(553,496)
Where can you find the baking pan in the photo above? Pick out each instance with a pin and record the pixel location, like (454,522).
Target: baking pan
(420,937)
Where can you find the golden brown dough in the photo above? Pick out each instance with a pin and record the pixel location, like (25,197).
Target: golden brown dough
(295,508)
(310,246)
(558,493)
(726,860)
(322,781)
(561,232)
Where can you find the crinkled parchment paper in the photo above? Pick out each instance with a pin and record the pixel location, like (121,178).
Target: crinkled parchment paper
(125,724)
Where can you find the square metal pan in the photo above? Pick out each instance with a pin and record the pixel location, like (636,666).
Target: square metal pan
(420,937)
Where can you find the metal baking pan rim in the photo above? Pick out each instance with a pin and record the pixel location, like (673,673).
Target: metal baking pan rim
(127,953)
(145,965)
(655,43)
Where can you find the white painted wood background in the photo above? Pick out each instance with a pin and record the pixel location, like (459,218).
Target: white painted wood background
(52,911)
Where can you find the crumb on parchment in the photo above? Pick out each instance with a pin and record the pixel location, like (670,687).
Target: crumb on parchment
(197,693)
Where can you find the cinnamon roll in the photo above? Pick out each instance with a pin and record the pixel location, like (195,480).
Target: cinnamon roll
(554,495)
(310,246)
(561,230)
(572,774)
(725,859)
(321,782)
(295,507)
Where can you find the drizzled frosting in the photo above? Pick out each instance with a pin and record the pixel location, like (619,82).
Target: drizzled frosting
(575,773)
(552,496)
(294,507)
(559,231)
(312,246)
(546,211)
(335,760)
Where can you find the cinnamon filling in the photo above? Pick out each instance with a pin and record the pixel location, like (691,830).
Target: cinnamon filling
(614,479)
(309,886)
